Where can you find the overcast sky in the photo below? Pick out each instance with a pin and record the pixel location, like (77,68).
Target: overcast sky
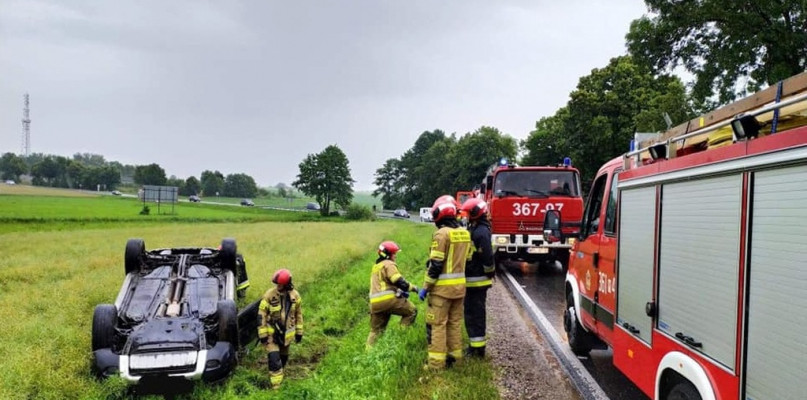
(253,87)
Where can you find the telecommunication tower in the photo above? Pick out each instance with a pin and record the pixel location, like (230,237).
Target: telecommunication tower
(26,128)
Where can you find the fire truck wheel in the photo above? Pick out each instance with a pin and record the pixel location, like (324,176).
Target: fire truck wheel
(579,340)
(684,391)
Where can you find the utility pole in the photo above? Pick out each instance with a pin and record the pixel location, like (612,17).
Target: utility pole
(26,128)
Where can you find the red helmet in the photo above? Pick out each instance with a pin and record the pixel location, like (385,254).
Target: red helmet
(388,248)
(444,207)
(282,277)
(475,208)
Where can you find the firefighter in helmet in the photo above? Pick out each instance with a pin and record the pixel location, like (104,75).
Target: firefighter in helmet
(478,275)
(280,321)
(445,285)
(389,292)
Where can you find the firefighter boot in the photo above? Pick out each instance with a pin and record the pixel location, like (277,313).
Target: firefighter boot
(284,359)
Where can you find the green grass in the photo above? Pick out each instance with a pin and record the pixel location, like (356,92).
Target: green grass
(52,278)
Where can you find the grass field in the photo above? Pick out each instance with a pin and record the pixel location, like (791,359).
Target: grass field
(51,279)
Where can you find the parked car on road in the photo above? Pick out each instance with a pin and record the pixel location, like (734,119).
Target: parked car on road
(10,182)
(116,193)
(312,206)
(425,214)
(194,198)
(400,213)
(247,202)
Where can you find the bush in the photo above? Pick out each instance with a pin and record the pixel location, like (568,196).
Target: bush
(145,211)
(358,212)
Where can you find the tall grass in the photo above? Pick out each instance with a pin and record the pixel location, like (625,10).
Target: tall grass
(51,281)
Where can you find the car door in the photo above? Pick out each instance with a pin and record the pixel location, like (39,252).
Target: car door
(588,250)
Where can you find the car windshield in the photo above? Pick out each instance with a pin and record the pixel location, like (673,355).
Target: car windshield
(536,183)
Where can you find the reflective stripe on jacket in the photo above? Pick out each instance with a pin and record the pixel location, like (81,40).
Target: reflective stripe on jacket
(282,310)
(451,247)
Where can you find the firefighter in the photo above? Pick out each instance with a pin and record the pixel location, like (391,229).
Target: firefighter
(478,275)
(445,285)
(389,292)
(280,320)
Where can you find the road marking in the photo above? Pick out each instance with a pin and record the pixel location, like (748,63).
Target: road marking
(581,379)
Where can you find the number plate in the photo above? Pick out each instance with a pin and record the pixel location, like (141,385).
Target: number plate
(538,250)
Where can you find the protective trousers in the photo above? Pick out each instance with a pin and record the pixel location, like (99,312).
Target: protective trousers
(278,356)
(475,319)
(379,320)
(444,330)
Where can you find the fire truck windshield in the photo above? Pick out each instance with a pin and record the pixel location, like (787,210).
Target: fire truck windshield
(536,183)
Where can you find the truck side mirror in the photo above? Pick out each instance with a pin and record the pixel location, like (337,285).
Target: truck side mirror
(488,182)
(552,232)
(482,188)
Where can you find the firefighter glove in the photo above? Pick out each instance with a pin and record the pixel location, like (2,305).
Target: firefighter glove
(422,294)
(298,338)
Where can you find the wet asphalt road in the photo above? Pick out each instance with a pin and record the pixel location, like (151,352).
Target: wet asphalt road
(546,288)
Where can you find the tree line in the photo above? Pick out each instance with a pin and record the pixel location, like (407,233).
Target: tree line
(730,48)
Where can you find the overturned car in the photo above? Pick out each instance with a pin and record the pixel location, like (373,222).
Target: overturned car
(175,314)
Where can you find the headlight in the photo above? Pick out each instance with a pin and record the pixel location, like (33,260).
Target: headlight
(501,240)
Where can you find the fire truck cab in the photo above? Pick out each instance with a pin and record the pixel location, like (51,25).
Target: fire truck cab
(690,263)
(518,199)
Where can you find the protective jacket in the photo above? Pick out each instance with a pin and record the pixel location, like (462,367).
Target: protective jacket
(480,268)
(280,316)
(450,249)
(385,281)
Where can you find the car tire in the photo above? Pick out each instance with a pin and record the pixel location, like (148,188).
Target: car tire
(228,254)
(580,340)
(228,321)
(684,391)
(104,319)
(135,252)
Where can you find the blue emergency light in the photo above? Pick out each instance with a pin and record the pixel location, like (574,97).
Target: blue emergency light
(567,161)
(503,161)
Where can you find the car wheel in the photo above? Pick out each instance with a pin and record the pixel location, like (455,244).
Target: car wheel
(579,339)
(104,319)
(228,254)
(684,391)
(135,252)
(228,322)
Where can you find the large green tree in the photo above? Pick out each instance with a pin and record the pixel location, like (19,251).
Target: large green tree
(151,174)
(605,110)
(326,177)
(212,183)
(474,153)
(191,186)
(12,166)
(240,185)
(389,182)
(723,42)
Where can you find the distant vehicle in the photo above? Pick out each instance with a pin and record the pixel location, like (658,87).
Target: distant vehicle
(194,198)
(400,213)
(175,315)
(10,182)
(425,214)
(116,193)
(312,206)
(247,202)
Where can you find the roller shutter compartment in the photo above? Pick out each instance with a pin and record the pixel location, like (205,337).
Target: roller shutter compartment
(777,288)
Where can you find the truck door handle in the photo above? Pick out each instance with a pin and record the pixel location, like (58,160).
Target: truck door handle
(595,259)
(632,329)
(688,340)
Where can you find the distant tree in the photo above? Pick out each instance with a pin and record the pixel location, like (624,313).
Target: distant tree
(176,182)
(281,191)
(240,185)
(212,183)
(191,186)
(151,174)
(326,177)
(474,153)
(435,174)
(47,171)
(388,182)
(90,160)
(414,179)
(723,41)
(12,166)
(603,113)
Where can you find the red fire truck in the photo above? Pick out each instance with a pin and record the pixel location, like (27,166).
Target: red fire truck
(518,197)
(690,262)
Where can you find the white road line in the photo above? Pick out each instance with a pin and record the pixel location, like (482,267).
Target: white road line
(581,379)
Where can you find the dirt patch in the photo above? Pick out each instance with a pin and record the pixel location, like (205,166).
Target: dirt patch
(526,367)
